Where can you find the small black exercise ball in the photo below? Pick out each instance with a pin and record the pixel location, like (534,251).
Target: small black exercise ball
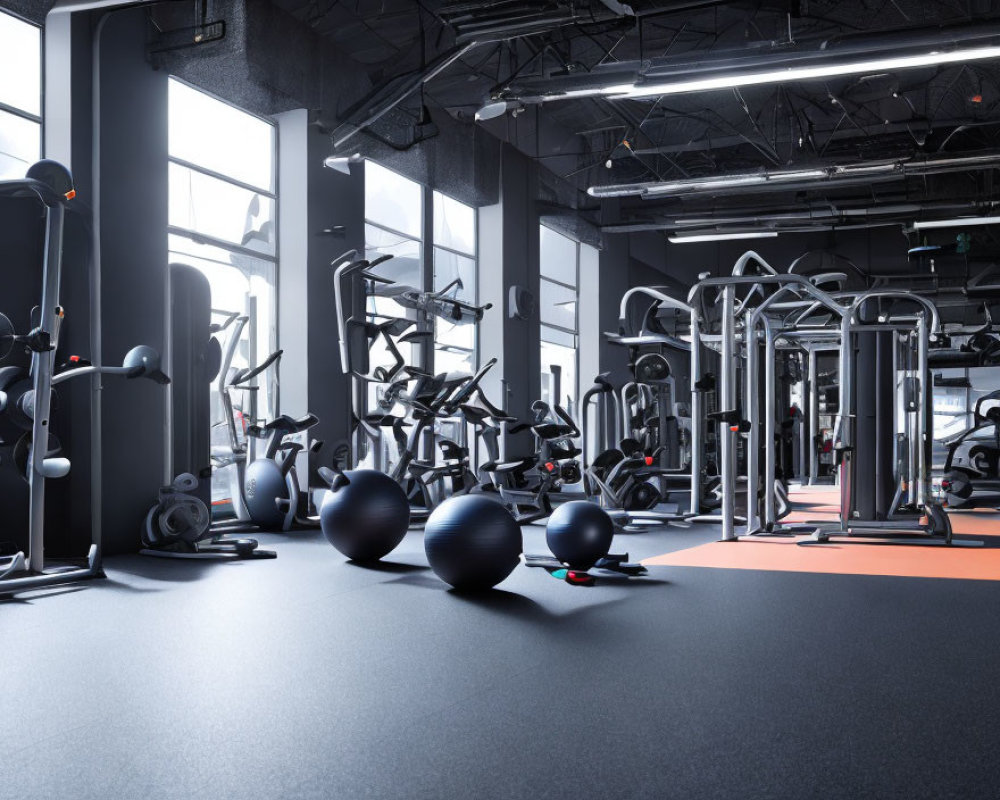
(579,533)
(365,514)
(472,542)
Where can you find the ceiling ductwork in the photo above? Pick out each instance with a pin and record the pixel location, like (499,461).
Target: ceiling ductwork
(844,105)
(786,180)
(509,19)
(738,224)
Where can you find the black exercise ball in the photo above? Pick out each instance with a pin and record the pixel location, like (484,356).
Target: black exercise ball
(365,514)
(263,486)
(579,533)
(472,542)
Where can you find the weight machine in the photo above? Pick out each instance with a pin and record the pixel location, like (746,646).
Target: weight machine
(872,335)
(28,398)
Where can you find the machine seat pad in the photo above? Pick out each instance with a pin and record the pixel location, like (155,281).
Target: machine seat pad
(414,372)
(505,467)
(287,424)
(553,430)
(384,420)
(419,468)
(563,453)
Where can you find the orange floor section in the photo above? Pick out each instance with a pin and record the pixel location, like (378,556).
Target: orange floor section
(784,555)
(815,496)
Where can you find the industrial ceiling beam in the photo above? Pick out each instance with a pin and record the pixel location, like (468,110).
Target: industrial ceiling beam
(760,65)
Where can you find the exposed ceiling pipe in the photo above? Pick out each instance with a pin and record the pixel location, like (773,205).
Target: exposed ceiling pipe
(898,213)
(620,9)
(828,212)
(390,96)
(517,19)
(765,180)
(816,227)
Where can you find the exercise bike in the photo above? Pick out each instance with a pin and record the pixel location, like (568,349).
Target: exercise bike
(531,484)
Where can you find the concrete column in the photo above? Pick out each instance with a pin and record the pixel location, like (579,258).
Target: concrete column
(293,267)
(594,309)
(133,238)
(333,223)
(612,284)
(509,257)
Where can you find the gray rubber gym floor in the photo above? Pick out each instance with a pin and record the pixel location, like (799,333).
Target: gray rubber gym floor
(308,677)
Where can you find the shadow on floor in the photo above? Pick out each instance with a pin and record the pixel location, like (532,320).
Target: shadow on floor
(388,566)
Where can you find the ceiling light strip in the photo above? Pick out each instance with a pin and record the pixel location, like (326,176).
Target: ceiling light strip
(721,237)
(958,222)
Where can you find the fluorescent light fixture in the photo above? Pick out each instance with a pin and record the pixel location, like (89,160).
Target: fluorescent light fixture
(734,181)
(958,222)
(934,58)
(342,163)
(644,81)
(721,237)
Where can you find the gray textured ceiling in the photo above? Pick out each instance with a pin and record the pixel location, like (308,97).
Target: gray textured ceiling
(910,114)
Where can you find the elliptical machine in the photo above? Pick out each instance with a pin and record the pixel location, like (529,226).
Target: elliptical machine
(354,279)
(266,494)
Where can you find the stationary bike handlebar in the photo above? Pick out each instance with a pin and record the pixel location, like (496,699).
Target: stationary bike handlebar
(978,416)
(243,377)
(343,266)
(452,402)
(565,417)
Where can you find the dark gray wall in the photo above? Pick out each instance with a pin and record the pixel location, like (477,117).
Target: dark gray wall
(614,282)
(335,200)
(270,62)
(508,256)
(522,360)
(133,242)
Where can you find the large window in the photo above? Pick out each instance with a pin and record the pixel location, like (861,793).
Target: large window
(455,346)
(395,224)
(558,295)
(223,218)
(20,96)
(432,239)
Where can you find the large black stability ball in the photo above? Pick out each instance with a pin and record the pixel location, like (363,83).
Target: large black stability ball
(472,542)
(365,514)
(579,533)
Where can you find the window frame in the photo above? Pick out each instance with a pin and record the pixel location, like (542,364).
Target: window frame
(270,193)
(476,358)
(575,331)
(428,246)
(38,119)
